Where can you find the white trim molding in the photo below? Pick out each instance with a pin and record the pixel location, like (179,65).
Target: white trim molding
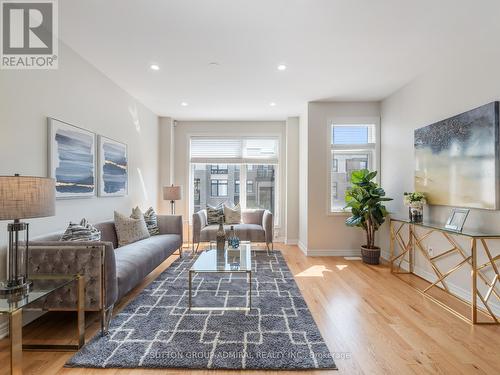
(334,252)
(291,242)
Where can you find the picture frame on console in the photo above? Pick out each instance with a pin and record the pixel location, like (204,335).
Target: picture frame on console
(457,219)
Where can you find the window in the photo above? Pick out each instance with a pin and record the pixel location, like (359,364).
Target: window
(352,147)
(218,169)
(234,170)
(260,186)
(218,188)
(196,191)
(249,186)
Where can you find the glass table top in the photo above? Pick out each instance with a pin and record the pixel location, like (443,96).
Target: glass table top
(42,286)
(433,225)
(226,260)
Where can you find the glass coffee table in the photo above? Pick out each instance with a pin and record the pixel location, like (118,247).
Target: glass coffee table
(223,261)
(13,305)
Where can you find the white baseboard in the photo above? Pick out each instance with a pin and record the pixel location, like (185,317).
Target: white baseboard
(456,289)
(302,247)
(334,252)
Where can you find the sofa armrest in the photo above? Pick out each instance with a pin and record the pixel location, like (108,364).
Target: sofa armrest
(93,259)
(268,225)
(170,224)
(199,222)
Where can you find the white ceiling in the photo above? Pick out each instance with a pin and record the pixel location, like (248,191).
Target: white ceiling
(334,49)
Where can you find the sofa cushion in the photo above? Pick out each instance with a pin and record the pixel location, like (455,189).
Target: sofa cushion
(81,232)
(232,215)
(136,260)
(245,232)
(253,216)
(108,232)
(130,230)
(214,214)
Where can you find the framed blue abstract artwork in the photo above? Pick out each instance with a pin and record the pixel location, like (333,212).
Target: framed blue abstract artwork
(113,168)
(71,160)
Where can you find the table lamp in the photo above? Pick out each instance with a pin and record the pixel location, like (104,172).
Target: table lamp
(172,194)
(22,197)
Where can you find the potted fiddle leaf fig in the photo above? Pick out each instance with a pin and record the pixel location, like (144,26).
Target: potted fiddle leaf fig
(365,200)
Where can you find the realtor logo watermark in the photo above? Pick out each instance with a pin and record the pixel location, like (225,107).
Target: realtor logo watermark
(29,34)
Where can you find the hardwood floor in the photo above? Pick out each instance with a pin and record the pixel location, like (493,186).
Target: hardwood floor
(371,321)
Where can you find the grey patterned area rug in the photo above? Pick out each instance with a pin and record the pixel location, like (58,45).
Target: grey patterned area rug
(156,330)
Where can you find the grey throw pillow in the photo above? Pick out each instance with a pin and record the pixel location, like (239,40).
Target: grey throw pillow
(149,217)
(81,232)
(129,230)
(214,214)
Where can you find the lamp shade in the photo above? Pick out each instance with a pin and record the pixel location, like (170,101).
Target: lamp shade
(24,197)
(172,193)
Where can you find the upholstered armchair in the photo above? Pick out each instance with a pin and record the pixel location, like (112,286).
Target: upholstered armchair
(256,226)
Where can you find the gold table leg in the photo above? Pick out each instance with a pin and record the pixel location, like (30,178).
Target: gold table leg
(16,343)
(474,281)
(80,326)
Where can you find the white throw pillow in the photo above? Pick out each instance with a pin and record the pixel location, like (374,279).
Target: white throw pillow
(232,215)
(129,230)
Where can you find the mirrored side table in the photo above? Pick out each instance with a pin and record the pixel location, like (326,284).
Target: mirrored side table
(13,305)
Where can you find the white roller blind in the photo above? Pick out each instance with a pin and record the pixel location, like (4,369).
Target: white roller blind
(234,150)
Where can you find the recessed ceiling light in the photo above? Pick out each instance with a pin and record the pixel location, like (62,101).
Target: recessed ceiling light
(272,104)
(282,67)
(184,104)
(213,63)
(154,67)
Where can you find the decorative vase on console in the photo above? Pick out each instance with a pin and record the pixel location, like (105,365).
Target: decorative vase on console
(415,202)
(221,235)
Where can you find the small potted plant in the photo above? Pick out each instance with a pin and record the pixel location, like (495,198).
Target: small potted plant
(365,199)
(415,202)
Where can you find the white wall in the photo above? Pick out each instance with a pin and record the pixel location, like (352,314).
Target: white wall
(327,233)
(184,129)
(166,162)
(79,94)
(303,198)
(292,181)
(461,82)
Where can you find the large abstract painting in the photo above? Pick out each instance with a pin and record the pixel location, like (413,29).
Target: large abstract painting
(71,159)
(457,159)
(113,168)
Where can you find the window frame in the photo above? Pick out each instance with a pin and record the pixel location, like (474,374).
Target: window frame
(218,183)
(373,148)
(279,164)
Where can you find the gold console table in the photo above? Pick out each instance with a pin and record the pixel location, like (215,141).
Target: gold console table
(406,240)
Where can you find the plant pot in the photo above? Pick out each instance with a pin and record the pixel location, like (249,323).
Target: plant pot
(370,256)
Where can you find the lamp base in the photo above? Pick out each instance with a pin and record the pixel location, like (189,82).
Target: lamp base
(8,290)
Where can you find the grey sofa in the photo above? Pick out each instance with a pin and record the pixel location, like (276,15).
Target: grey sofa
(256,226)
(110,271)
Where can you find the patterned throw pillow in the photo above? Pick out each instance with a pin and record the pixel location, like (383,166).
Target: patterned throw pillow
(81,232)
(232,215)
(214,214)
(129,230)
(149,217)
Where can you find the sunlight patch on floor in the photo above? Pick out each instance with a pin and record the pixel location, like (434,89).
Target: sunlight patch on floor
(313,271)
